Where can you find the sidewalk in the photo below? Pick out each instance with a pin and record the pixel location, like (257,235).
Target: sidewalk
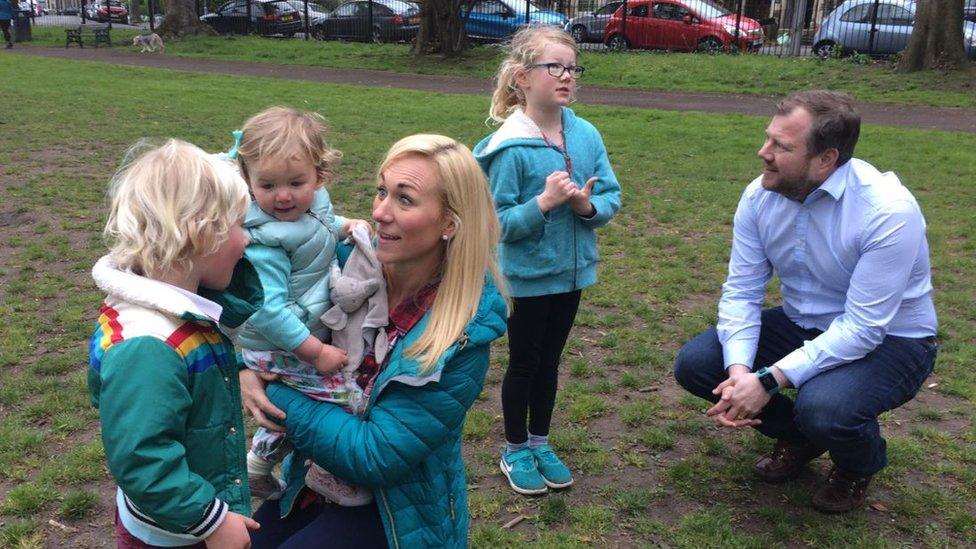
(921,117)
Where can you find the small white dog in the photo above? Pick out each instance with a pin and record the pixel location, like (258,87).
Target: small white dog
(149,42)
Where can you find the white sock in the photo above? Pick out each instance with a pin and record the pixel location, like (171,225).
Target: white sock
(256,465)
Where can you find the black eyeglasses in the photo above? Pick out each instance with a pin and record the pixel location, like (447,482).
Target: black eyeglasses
(557,70)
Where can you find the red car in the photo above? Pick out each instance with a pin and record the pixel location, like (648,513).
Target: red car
(681,25)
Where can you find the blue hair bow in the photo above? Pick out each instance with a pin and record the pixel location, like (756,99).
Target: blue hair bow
(232,153)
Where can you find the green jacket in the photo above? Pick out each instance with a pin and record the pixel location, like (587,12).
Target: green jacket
(165,382)
(407,447)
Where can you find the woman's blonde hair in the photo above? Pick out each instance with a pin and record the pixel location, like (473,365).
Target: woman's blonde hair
(469,255)
(288,132)
(524,49)
(169,204)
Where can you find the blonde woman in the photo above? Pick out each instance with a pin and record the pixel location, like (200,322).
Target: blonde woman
(436,235)
(553,186)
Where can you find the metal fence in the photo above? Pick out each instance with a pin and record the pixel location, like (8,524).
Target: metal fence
(773,27)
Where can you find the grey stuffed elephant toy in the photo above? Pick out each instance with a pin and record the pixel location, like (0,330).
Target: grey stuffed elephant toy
(359,311)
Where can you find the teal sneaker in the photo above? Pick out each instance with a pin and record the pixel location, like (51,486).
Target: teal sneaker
(554,473)
(520,470)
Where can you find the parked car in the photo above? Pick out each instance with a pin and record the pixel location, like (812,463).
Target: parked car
(71,10)
(589,27)
(103,10)
(315,10)
(499,19)
(969,11)
(392,21)
(848,29)
(681,25)
(267,17)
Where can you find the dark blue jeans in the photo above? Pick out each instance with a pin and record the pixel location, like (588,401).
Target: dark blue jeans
(837,409)
(319,525)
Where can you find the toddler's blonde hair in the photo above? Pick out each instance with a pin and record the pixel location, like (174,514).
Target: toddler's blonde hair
(524,49)
(286,131)
(170,204)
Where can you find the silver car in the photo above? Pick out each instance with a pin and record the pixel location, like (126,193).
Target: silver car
(848,29)
(589,27)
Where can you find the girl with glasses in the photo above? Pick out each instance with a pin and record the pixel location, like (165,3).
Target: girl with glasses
(553,186)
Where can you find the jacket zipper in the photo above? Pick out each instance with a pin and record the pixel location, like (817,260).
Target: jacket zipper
(569,169)
(389,515)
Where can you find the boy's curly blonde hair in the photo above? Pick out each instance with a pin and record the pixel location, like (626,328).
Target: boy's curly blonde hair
(290,132)
(169,204)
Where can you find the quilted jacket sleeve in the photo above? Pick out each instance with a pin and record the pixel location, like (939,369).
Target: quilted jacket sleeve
(404,425)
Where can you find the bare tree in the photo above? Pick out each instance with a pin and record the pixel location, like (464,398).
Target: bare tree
(442,27)
(134,16)
(182,20)
(937,39)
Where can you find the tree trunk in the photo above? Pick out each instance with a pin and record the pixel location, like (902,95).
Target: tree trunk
(181,20)
(937,40)
(442,27)
(134,17)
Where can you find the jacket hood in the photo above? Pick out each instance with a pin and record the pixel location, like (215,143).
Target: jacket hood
(153,294)
(517,130)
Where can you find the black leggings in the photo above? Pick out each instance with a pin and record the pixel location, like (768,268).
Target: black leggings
(537,332)
(5,27)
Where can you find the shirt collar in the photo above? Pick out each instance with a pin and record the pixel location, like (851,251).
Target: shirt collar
(204,306)
(837,182)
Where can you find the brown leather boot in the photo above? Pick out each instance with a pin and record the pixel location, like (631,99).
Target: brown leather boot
(785,461)
(843,492)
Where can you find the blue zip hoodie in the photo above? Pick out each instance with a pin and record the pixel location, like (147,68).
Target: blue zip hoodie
(556,252)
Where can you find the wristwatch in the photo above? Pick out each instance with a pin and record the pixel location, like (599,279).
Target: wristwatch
(768,381)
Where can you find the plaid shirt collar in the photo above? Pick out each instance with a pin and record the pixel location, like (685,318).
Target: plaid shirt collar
(402,319)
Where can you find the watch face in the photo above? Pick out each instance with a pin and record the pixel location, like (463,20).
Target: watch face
(768,381)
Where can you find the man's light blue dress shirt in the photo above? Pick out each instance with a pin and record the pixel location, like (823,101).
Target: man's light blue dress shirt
(852,260)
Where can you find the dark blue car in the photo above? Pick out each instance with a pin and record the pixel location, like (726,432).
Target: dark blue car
(499,19)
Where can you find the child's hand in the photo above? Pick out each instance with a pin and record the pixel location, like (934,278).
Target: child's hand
(232,533)
(330,359)
(559,189)
(348,226)
(580,201)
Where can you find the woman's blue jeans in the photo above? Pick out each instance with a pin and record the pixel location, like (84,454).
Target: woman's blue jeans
(836,410)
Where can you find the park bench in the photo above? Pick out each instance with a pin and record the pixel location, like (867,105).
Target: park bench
(99,36)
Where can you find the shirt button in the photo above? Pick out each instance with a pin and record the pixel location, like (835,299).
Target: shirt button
(237,481)
(233,430)
(226,379)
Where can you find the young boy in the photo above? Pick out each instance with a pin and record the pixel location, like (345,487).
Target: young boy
(161,374)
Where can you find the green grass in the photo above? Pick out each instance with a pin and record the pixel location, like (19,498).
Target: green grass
(651,469)
(748,74)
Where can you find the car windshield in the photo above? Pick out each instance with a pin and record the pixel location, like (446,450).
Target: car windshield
(399,6)
(278,7)
(706,9)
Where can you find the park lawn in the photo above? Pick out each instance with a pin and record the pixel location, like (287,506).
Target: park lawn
(746,74)
(650,469)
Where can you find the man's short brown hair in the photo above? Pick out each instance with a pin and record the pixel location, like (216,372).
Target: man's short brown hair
(836,123)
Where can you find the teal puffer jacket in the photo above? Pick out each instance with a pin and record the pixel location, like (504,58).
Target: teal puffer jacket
(292,260)
(407,447)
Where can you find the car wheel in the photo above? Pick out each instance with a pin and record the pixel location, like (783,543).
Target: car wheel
(288,34)
(710,44)
(618,42)
(376,36)
(825,49)
(579,33)
(318,33)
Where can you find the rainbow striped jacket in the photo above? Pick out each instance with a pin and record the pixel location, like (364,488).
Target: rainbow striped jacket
(164,380)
